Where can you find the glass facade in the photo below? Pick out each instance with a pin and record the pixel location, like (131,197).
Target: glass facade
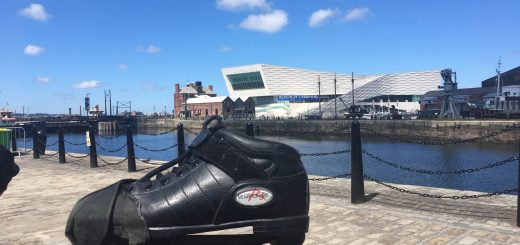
(244,81)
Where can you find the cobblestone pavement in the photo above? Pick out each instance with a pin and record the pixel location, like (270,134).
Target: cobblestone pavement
(36,205)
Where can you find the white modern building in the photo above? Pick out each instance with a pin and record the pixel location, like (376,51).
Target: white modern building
(288,92)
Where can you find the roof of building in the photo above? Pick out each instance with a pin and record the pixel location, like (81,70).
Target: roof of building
(206,99)
(208,91)
(511,77)
(461,91)
(188,90)
(243,98)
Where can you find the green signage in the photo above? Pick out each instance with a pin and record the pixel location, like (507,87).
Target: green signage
(244,81)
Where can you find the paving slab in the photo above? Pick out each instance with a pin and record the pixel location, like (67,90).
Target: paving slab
(35,208)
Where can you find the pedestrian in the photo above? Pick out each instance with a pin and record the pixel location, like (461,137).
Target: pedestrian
(8,169)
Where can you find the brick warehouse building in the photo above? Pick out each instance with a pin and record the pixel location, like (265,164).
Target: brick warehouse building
(204,106)
(192,90)
(203,102)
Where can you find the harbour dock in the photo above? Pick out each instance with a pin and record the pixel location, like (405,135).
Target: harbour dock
(35,207)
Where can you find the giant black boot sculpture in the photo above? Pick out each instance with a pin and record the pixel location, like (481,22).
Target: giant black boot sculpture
(225,180)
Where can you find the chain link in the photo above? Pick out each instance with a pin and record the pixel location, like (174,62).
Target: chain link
(455,197)
(147,161)
(39,141)
(68,154)
(155,150)
(84,143)
(441,172)
(332,177)
(460,141)
(50,155)
(107,150)
(111,163)
(107,138)
(191,131)
(324,153)
(162,133)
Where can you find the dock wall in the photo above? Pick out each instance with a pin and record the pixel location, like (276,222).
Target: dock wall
(408,129)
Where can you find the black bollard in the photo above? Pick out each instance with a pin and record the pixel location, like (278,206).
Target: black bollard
(93,154)
(257,130)
(180,139)
(61,146)
(518,194)
(130,149)
(13,140)
(357,184)
(249,130)
(36,151)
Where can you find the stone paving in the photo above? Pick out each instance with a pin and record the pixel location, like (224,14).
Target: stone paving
(35,207)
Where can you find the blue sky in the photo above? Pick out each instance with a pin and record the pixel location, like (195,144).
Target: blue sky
(52,53)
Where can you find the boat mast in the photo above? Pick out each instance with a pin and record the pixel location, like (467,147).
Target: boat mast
(499,87)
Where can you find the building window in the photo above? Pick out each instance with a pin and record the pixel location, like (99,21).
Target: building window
(216,111)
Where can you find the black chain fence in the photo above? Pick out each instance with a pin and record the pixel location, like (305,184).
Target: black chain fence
(72,143)
(331,177)
(105,149)
(70,155)
(155,150)
(318,154)
(111,163)
(148,161)
(507,191)
(162,133)
(440,172)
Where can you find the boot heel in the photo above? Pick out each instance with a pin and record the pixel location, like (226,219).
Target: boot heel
(282,226)
(293,239)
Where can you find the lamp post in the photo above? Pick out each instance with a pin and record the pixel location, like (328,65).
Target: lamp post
(319,93)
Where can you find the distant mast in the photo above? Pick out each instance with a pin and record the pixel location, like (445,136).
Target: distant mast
(499,86)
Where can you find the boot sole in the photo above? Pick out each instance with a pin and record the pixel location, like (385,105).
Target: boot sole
(261,227)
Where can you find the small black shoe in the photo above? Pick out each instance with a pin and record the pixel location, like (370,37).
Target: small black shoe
(225,180)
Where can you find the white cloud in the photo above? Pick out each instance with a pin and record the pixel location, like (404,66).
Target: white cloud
(87,84)
(33,50)
(35,11)
(321,16)
(42,80)
(237,5)
(225,49)
(149,50)
(270,23)
(122,66)
(358,14)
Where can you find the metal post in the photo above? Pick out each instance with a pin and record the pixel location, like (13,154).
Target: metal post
(335,99)
(353,101)
(36,152)
(130,149)
(13,139)
(249,130)
(257,130)
(357,184)
(319,94)
(518,194)
(180,139)
(93,154)
(61,145)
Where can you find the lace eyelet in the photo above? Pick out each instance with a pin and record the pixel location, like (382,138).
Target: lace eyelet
(164,181)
